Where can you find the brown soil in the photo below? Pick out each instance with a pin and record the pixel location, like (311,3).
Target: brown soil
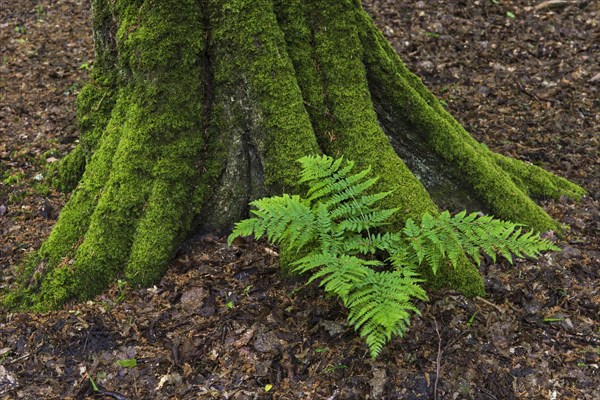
(225,323)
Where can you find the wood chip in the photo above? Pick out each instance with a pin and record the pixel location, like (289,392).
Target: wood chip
(553,4)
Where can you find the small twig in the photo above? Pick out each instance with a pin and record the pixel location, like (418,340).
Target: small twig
(100,102)
(26,355)
(488,393)
(114,395)
(456,339)
(437,361)
(489,303)
(552,4)
(87,338)
(96,389)
(326,112)
(533,95)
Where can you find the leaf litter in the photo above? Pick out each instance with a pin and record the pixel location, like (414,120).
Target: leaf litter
(225,323)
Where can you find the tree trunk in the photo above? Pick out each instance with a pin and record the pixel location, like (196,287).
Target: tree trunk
(196,107)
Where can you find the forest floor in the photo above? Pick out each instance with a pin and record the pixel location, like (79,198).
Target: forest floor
(523,76)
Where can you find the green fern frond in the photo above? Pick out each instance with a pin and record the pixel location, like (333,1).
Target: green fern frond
(360,244)
(335,220)
(338,273)
(316,168)
(446,237)
(404,259)
(380,306)
(359,206)
(347,188)
(363,222)
(339,187)
(282,219)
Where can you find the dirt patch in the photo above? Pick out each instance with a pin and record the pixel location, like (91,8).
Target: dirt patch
(225,323)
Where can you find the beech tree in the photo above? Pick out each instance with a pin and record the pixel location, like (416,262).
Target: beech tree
(196,107)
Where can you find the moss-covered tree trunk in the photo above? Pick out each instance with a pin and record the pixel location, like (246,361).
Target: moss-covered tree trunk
(196,107)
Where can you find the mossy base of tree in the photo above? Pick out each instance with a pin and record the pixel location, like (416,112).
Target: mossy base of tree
(192,111)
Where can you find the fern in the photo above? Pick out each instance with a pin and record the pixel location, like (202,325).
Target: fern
(380,305)
(446,237)
(333,224)
(281,219)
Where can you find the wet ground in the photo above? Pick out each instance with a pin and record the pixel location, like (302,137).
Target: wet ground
(522,76)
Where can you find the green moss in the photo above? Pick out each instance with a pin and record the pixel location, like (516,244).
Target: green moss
(75,217)
(95,104)
(324,44)
(140,176)
(247,34)
(59,250)
(421,110)
(355,130)
(167,219)
(536,182)
(293,21)
(14,179)
(68,172)
(144,204)
(95,101)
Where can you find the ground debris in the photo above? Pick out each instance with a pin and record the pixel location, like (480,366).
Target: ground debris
(225,323)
